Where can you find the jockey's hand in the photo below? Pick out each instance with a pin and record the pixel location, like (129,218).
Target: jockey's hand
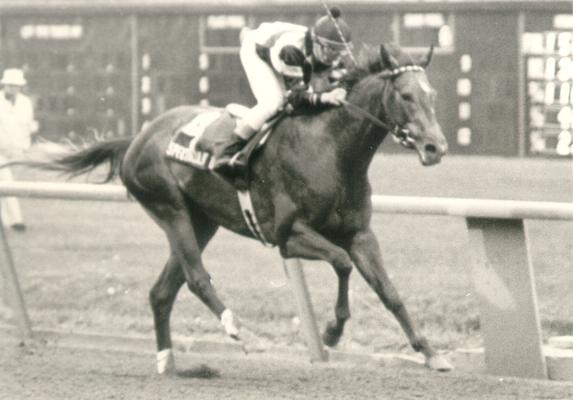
(334,97)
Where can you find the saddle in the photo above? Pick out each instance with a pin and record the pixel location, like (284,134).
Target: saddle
(195,142)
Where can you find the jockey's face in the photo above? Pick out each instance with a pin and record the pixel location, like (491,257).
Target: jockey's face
(327,52)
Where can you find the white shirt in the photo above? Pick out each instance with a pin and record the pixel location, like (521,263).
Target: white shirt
(277,36)
(16,123)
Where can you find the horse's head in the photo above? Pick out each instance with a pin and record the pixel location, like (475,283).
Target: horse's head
(410,106)
(403,100)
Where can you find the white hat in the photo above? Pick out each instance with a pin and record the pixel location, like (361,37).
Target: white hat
(13,76)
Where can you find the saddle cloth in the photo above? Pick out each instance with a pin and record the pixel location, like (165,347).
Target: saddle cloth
(193,142)
(183,145)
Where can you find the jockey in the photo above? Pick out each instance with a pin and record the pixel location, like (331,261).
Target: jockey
(280,56)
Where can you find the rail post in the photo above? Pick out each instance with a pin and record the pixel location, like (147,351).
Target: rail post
(503,279)
(13,293)
(297,282)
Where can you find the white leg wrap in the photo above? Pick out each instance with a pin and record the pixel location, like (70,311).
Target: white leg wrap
(439,363)
(165,361)
(229,323)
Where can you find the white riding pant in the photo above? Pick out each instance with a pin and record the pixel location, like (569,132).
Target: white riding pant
(267,85)
(9,206)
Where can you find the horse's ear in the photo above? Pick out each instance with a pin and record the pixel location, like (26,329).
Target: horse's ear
(428,57)
(388,61)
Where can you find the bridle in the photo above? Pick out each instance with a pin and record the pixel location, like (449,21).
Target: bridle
(399,133)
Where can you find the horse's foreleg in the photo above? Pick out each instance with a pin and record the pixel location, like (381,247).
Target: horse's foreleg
(306,243)
(334,329)
(367,257)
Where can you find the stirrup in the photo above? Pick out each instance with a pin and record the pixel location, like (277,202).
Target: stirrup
(232,162)
(232,166)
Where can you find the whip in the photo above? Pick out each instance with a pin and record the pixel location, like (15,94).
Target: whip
(346,45)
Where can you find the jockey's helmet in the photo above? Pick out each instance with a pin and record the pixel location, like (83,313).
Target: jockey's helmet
(332,29)
(332,35)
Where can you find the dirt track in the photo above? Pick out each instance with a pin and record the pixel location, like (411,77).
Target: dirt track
(42,373)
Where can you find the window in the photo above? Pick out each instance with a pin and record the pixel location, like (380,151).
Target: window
(563,21)
(223,30)
(51,31)
(222,77)
(549,74)
(420,30)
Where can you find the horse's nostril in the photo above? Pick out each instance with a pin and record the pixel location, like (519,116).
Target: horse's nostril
(430,148)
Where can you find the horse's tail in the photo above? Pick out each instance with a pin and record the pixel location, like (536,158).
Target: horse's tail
(78,162)
(86,160)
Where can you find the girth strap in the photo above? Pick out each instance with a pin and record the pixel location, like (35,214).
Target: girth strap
(250,216)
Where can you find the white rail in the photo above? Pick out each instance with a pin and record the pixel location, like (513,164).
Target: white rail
(64,191)
(473,208)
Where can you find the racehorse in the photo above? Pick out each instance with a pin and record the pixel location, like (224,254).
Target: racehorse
(309,186)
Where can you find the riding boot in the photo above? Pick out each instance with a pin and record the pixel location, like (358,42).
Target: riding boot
(229,160)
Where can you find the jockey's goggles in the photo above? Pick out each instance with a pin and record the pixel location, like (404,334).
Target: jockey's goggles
(330,46)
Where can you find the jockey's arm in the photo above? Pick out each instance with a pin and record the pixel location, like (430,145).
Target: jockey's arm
(301,97)
(297,70)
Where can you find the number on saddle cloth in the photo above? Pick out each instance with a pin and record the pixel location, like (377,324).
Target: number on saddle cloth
(195,141)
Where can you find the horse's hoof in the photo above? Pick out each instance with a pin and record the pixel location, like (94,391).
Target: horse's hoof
(230,324)
(439,363)
(331,335)
(165,362)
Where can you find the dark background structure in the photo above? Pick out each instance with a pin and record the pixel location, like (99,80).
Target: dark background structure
(109,66)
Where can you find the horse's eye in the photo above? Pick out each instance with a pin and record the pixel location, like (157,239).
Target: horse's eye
(407,97)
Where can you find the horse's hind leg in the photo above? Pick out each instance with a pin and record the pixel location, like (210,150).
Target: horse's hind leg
(366,255)
(184,264)
(161,298)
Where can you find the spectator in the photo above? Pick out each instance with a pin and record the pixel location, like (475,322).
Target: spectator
(17,125)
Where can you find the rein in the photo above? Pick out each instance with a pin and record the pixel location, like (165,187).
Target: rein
(367,115)
(401,135)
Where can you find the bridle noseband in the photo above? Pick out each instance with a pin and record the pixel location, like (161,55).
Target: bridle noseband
(392,73)
(399,133)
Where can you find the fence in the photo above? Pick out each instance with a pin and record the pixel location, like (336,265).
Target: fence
(501,267)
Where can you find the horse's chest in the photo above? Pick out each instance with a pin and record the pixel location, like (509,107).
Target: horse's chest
(346,220)
(337,215)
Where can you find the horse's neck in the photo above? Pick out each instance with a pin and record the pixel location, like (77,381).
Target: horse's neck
(359,138)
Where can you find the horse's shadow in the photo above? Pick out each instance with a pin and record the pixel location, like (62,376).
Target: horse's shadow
(202,371)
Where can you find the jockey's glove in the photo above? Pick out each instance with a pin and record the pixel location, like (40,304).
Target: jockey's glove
(333,98)
(305,99)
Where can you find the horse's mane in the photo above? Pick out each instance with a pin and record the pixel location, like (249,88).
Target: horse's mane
(368,62)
